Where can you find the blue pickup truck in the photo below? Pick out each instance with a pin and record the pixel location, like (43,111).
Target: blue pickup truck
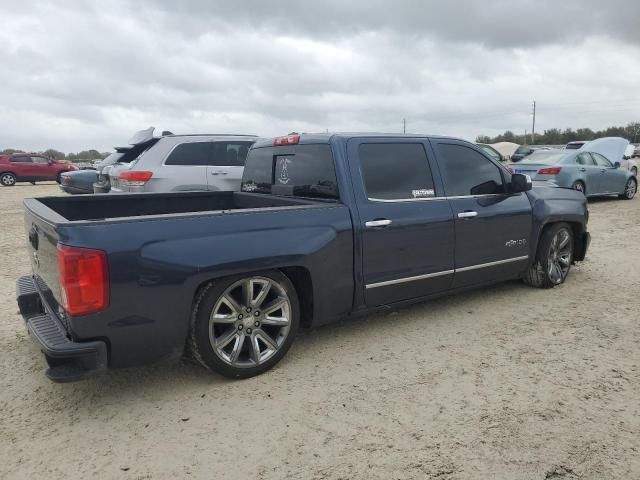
(325,227)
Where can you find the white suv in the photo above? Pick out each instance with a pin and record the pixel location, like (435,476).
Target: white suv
(174,163)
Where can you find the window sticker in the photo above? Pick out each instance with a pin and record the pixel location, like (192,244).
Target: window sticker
(283,167)
(423,193)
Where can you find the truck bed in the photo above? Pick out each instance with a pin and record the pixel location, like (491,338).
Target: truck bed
(103,207)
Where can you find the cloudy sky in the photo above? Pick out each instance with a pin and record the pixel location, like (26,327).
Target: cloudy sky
(78,75)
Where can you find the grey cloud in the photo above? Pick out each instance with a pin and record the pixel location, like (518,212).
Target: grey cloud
(88,74)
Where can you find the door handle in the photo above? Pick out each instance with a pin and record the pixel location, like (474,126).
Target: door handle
(467,214)
(218,173)
(583,169)
(380,222)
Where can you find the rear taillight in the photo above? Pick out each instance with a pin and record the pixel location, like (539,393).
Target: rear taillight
(134,178)
(288,140)
(510,170)
(549,171)
(84,279)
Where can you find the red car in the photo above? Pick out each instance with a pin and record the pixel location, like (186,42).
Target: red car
(30,167)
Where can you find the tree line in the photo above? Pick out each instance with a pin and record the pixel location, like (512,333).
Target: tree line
(556,136)
(83,156)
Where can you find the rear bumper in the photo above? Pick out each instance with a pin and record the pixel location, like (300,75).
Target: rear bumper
(68,361)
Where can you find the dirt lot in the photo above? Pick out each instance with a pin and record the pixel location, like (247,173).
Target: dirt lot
(509,382)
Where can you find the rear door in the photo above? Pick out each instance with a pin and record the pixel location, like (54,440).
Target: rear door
(227,164)
(588,167)
(184,169)
(492,227)
(406,223)
(23,167)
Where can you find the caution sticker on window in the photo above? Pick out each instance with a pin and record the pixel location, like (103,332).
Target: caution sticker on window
(424,193)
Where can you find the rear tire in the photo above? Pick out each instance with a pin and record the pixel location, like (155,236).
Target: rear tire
(242,326)
(579,186)
(553,257)
(7,179)
(630,189)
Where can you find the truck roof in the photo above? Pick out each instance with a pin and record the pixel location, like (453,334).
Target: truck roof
(308,138)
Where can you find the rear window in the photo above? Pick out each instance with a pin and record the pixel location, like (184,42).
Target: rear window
(194,153)
(523,150)
(301,170)
(574,146)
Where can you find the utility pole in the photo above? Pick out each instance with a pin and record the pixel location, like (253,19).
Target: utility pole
(533,128)
(404,125)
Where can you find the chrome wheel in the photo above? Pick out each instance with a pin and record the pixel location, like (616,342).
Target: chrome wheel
(249,322)
(560,253)
(8,179)
(630,189)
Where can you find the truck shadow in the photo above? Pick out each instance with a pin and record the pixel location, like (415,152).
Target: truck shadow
(166,382)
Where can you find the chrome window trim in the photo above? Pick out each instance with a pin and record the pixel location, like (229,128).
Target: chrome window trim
(446,272)
(398,200)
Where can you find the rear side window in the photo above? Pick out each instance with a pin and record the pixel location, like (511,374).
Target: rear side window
(193,153)
(21,159)
(396,171)
(230,154)
(584,159)
(301,170)
(42,160)
(467,172)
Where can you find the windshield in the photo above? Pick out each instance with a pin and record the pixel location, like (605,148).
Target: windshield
(110,159)
(301,171)
(574,146)
(546,156)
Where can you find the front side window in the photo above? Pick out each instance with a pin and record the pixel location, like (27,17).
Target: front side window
(467,172)
(601,161)
(231,154)
(396,171)
(193,153)
(21,159)
(584,159)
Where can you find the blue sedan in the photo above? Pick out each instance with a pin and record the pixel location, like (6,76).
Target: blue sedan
(586,170)
(78,182)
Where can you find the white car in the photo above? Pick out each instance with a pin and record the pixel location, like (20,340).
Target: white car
(178,163)
(628,162)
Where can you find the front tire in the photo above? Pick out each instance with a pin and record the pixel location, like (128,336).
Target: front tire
(553,257)
(630,189)
(7,179)
(243,325)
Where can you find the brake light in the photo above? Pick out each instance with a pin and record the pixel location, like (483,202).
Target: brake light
(134,178)
(84,279)
(549,171)
(288,140)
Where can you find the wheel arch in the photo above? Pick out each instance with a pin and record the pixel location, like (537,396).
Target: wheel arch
(577,230)
(299,276)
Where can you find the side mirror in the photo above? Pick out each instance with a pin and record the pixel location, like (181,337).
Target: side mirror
(616,165)
(520,183)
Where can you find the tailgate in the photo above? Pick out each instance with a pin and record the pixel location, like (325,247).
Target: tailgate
(42,240)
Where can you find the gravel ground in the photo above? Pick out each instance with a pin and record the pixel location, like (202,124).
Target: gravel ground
(507,382)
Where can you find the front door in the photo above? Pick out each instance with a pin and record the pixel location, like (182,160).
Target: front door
(591,172)
(492,227)
(407,226)
(612,180)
